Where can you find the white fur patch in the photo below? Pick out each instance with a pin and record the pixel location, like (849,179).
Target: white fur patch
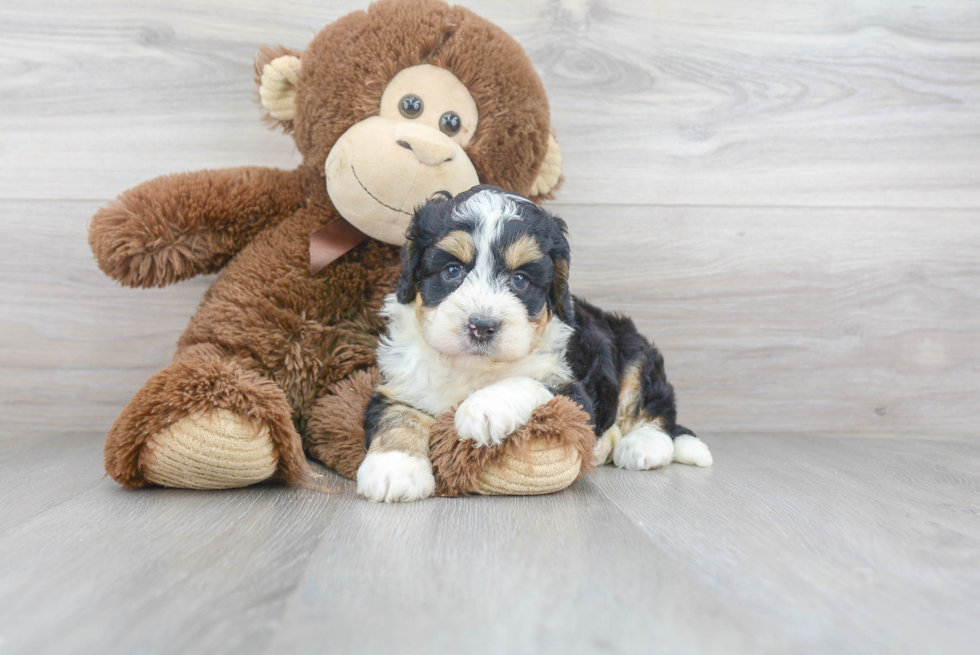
(489,208)
(492,413)
(688,449)
(645,447)
(447,329)
(395,477)
(418,374)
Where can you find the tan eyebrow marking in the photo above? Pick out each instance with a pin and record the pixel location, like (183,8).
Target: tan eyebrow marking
(458,244)
(523,251)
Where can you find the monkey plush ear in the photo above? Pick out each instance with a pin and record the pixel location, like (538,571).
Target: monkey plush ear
(277,74)
(549,175)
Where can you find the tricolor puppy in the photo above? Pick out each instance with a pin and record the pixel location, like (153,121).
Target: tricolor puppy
(482,321)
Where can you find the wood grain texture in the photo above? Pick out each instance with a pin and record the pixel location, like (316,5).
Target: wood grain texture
(783,195)
(790,544)
(863,103)
(782,319)
(826,540)
(771,319)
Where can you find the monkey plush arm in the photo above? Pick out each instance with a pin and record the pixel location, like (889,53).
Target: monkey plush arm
(177,226)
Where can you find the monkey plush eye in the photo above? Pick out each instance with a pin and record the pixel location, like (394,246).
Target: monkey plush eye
(519,281)
(411,106)
(450,123)
(453,272)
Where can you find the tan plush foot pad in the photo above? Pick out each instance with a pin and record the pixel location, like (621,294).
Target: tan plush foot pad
(545,456)
(213,451)
(547,468)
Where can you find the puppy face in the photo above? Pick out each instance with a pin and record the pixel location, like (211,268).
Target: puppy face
(488,270)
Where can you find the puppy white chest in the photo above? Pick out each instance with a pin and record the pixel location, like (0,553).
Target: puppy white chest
(435,383)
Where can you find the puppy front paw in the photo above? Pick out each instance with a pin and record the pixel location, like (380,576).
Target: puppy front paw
(394,477)
(491,414)
(482,421)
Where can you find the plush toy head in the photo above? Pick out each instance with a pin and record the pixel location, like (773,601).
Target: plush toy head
(419,114)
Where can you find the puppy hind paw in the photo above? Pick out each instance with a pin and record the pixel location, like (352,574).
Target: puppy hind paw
(602,452)
(688,449)
(645,447)
(394,477)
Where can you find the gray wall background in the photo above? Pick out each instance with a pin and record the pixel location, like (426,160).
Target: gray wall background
(783,195)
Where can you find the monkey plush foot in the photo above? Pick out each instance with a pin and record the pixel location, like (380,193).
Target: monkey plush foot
(206,421)
(545,455)
(219,450)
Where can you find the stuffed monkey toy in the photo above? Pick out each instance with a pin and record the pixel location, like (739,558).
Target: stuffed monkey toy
(386,106)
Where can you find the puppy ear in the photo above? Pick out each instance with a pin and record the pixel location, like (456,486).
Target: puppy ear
(558,295)
(561,299)
(408,282)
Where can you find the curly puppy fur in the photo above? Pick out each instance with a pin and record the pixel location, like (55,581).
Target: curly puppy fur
(269,339)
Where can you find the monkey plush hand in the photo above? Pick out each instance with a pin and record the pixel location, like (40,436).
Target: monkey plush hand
(387,106)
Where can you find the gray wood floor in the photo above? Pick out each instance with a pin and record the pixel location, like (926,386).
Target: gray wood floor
(795,544)
(784,195)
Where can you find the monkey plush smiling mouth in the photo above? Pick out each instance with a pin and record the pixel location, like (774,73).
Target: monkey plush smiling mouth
(385,165)
(482,321)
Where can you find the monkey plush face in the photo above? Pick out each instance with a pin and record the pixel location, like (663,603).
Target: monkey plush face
(411,97)
(384,166)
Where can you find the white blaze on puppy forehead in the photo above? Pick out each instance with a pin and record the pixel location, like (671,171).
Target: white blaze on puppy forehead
(488,211)
(488,207)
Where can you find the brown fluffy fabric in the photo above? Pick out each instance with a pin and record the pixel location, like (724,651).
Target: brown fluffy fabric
(338,423)
(177,226)
(269,339)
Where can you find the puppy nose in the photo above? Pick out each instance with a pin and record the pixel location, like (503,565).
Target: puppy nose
(429,145)
(483,328)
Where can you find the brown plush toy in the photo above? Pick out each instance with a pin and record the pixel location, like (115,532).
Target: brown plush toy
(386,107)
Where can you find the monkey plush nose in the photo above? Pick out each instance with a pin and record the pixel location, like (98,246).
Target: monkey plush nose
(482,328)
(429,145)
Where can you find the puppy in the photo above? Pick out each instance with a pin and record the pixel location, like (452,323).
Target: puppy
(482,321)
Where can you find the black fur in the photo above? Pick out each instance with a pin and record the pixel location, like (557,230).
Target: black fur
(375,412)
(604,345)
(429,224)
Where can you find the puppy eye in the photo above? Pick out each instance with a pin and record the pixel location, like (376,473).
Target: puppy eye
(411,106)
(450,123)
(519,281)
(452,272)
